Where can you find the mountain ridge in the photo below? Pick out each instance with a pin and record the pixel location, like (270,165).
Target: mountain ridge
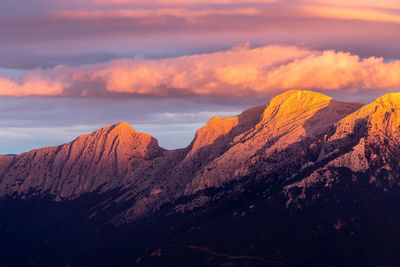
(94,153)
(260,140)
(302,180)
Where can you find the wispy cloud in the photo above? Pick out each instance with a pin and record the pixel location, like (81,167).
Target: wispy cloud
(110,29)
(181,2)
(150,15)
(387,4)
(351,13)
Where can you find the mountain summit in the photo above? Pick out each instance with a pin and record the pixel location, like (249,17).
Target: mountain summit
(301,180)
(295,100)
(99,159)
(224,150)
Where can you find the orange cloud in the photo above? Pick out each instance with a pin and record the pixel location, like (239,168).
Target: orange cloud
(351,13)
(237,72)
(366,10)
(387,4)
(332,70)
(34,83)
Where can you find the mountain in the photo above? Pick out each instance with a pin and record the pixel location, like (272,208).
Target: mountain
(99,159)
(303,180)
(366,142)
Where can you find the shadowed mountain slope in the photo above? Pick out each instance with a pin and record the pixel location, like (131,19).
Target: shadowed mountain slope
(301,180)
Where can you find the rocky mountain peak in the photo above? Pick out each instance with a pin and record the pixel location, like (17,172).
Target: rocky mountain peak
(214,120)
(380,117)
(122,132)
(224,130)
(331,167)
(101,158)
(389,100)
(293,100)
(123,126)
(283,105)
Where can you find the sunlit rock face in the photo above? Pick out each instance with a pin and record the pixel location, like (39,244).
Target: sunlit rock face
(299,140)
(365,143)
(302,175)
(101,159)
(288,126)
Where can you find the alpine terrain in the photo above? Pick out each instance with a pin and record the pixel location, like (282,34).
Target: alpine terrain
(304,180)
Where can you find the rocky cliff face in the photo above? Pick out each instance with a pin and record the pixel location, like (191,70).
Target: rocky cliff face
(101,159)
(364,142)
(276,138)
(314,163)
(290,124)
(298,132)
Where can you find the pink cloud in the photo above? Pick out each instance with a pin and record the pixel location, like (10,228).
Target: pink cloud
(326,9)
(332,70)
(175,27)
(180,2)
(350,13)
(33,83)
(368,10)
(387,4)
(238,72)
(147,14)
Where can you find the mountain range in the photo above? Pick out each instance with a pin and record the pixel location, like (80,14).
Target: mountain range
(304,180)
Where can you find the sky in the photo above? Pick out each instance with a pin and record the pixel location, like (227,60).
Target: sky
(69,67)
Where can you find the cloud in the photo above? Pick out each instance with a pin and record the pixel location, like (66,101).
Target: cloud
(332,70)
(384,11)
(87,31)
(222,10)
(351,13)
(181,2)
(32,83)
(237,72)
(387,4)
(98,62)
(149,16)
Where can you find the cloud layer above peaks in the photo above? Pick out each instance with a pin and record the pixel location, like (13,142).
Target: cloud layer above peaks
(240,71)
